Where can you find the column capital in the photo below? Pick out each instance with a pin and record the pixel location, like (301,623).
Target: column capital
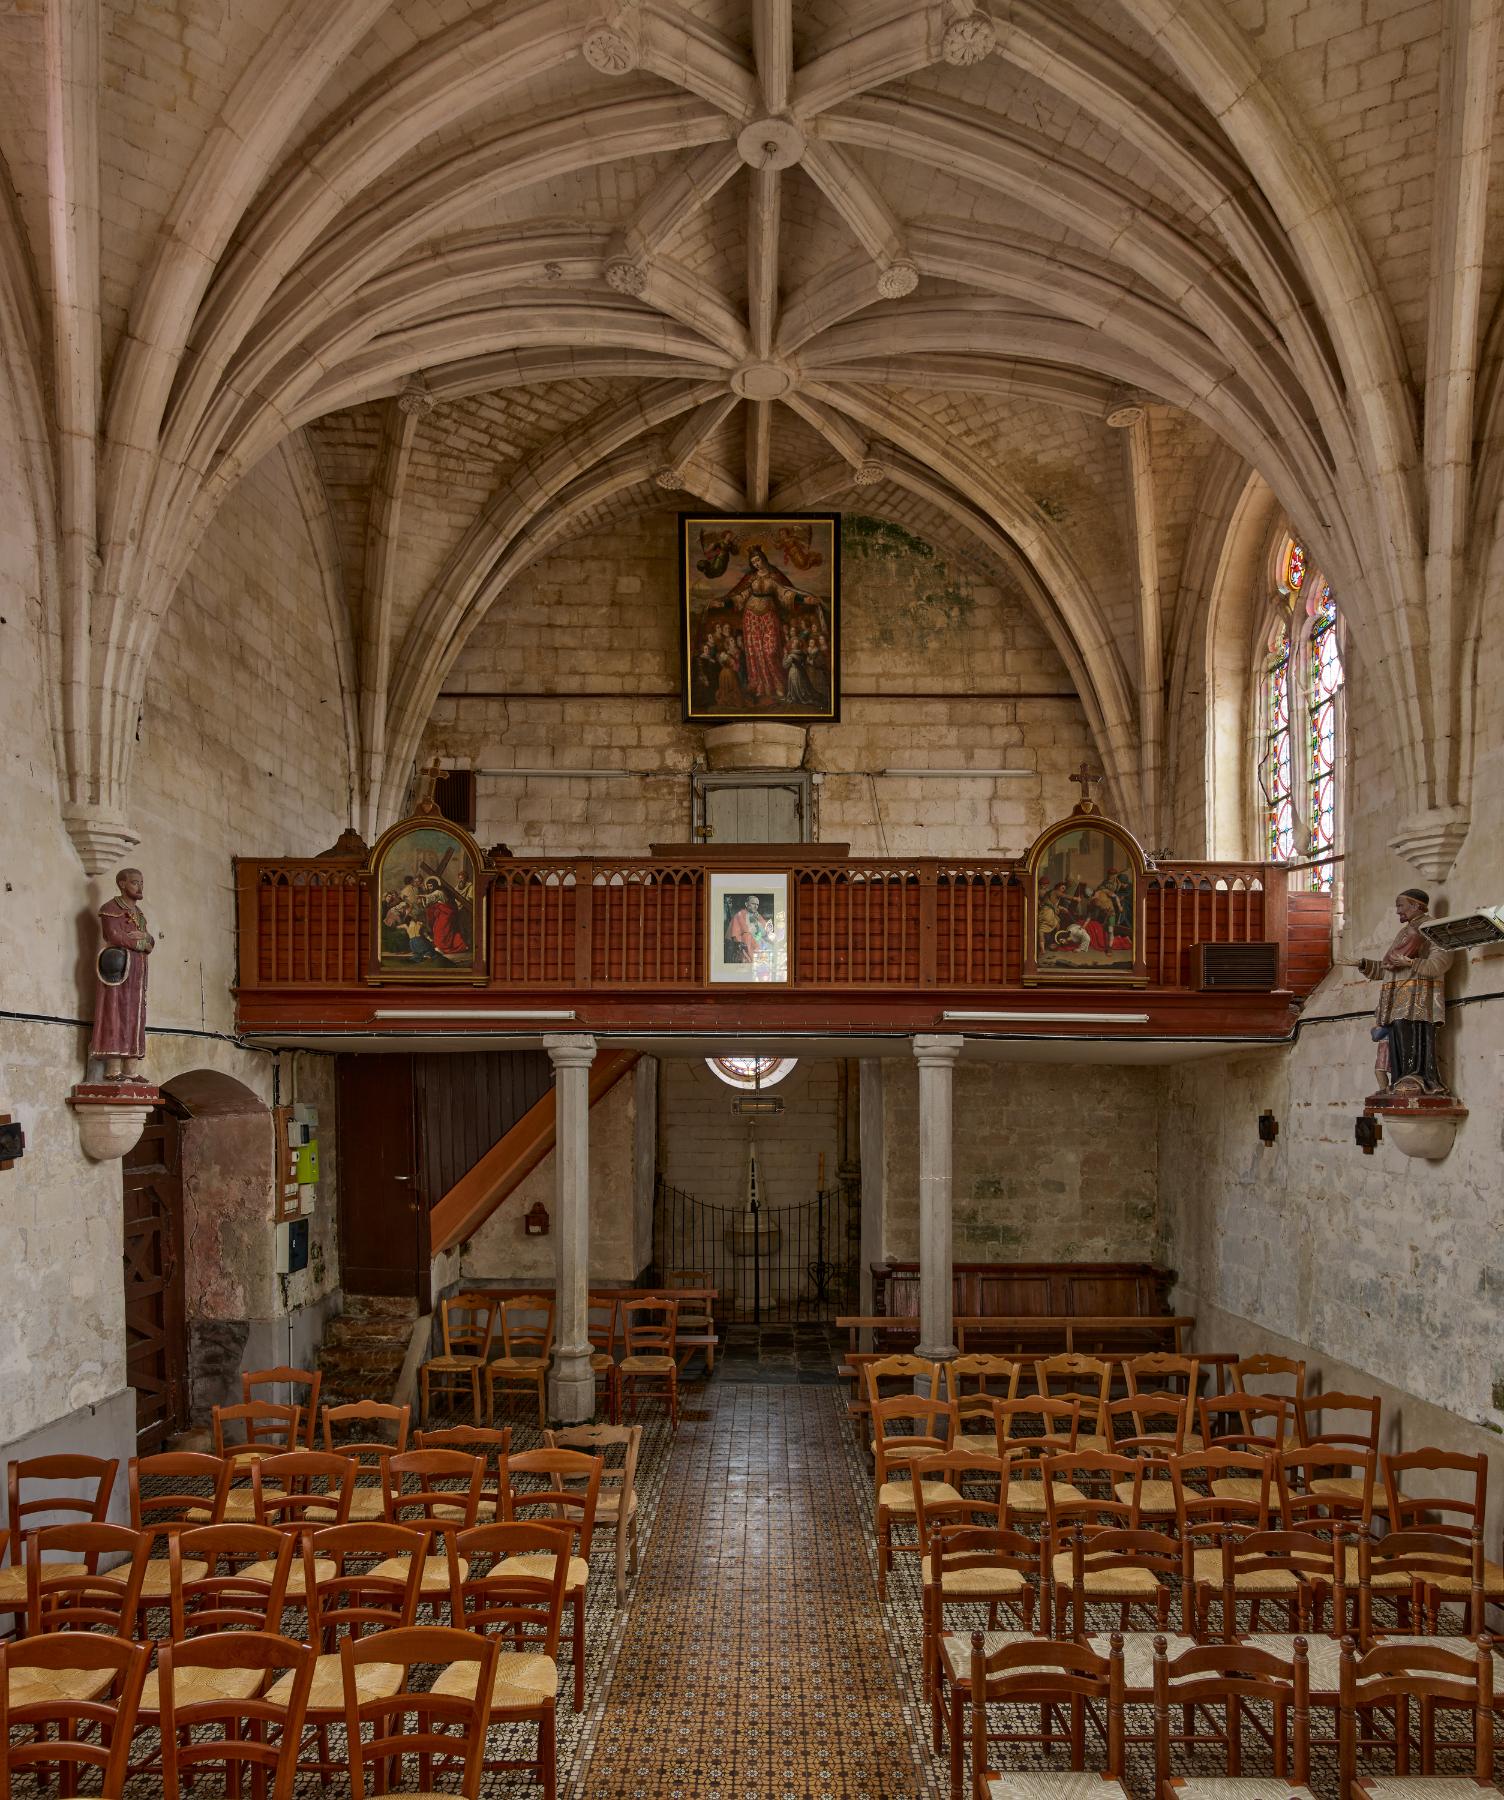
(938,1049)
(572,1050)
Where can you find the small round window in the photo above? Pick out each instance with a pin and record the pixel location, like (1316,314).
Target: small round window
(751,1071)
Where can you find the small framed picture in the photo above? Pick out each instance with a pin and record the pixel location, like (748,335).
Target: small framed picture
(747,925)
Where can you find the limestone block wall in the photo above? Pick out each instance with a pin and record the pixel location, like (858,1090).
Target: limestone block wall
(240,745)
(501,1251)
(931,643)
(1382,1268)
(1053,1163)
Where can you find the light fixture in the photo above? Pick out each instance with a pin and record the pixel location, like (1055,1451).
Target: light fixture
(535,1220)
(961,774)
(470,1013)
(1044,1018)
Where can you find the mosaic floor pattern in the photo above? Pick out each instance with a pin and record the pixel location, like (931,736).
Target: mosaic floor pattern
(755,1664)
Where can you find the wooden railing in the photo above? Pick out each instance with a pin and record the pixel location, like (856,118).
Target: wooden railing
(862,923)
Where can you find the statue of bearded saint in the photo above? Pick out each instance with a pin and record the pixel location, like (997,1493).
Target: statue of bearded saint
(1411,1006)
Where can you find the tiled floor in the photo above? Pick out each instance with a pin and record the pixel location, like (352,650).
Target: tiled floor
(755,1663)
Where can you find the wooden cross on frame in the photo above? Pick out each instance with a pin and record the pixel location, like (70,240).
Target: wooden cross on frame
(1086,777)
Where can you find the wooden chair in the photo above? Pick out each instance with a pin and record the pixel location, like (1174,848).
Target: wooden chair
(228,1578)
(449,1728)
(1312,1566)
(618,1447)
(201,1486)
(1318,1484)
(66,1590)
(1151,1428)
(1122,1566)
(893,1451)
(601,1319)
(303,1488)
(1206,1513)
(1320,1418)
(1423,1680)
(650,1336)
(968,1383)
(52,1691)
(1087,1379)
(696,1322)
(1026,1451)
(1418,1570)
(222,1680)
(490,1443)
(1059,1679)
(1082,1497)
(1230,1678)
(1415,1500)
(1287,1375)
(1238,1420)
(435,1492)
(908,1374)
(373,1587)
(256,1428)
(1158,1372)
(53,1490)
(969,1579)
(527,1342)
(467,1324)
(306,1382)
(958,1557)
(520,1597)
(351,1431)
(565,1499)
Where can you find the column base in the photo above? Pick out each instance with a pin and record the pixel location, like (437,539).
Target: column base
(937,1352)
(571,1388)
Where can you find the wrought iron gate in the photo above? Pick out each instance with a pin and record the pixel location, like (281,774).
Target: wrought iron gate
(777,1262)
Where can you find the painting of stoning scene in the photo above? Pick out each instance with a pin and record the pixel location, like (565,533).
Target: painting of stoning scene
(760,600)
(1085,914)
(425,894)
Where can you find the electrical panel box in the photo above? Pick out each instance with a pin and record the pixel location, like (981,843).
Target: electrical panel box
(292,1247)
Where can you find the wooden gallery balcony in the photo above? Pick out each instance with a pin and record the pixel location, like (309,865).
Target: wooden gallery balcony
(871,946)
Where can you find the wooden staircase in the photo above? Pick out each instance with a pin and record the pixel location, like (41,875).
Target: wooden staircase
(365,1347)
(476,1195)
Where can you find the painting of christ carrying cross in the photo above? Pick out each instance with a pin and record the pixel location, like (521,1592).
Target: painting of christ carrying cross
(427,917)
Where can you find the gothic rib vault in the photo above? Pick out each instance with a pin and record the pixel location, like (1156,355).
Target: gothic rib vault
(572,254)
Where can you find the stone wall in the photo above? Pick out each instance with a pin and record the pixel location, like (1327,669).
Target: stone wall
(1053,1163)
(242,712)
(576,667)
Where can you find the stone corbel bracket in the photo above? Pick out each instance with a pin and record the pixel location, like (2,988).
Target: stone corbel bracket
(1422,1125)
(112,1115)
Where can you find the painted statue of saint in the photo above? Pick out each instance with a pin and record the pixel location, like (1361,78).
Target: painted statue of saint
(119,1038)
(1412,1004)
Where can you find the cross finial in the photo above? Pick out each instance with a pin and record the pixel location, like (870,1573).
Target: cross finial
(429,780)
(1086,777)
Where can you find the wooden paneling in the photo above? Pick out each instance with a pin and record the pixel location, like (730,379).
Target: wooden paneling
(467,1102)
(156,1343)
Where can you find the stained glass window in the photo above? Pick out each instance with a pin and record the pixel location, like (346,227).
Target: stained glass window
(1276,769)
(751,1071)
(1323,691)
(1300,722)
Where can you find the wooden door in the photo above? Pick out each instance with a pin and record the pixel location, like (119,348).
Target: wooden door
(156,1347)
(383,1227)
(761,813)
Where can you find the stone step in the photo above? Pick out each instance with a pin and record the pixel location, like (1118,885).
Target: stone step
(381,1306)
(342,1331)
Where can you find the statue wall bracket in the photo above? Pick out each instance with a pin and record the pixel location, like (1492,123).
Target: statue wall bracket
(1416,1123)
(112,1115)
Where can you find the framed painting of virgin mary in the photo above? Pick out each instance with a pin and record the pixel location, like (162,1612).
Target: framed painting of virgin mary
(428,903)
(759,602)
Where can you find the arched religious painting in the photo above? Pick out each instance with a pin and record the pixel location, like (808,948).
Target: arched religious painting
(1085,913)
(428,917)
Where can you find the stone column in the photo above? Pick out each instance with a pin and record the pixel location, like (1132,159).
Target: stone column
(936,1057)
(874,1177)
(571,1385)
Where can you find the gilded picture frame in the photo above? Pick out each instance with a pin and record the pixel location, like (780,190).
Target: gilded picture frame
(760,617)
(429,903)
(1085,906)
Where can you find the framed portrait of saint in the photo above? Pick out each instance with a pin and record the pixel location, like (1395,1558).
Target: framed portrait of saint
(1085,905)
(428,903)
(760,617)
(747,927)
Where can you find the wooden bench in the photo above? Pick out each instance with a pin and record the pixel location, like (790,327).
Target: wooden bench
(1040,1291)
